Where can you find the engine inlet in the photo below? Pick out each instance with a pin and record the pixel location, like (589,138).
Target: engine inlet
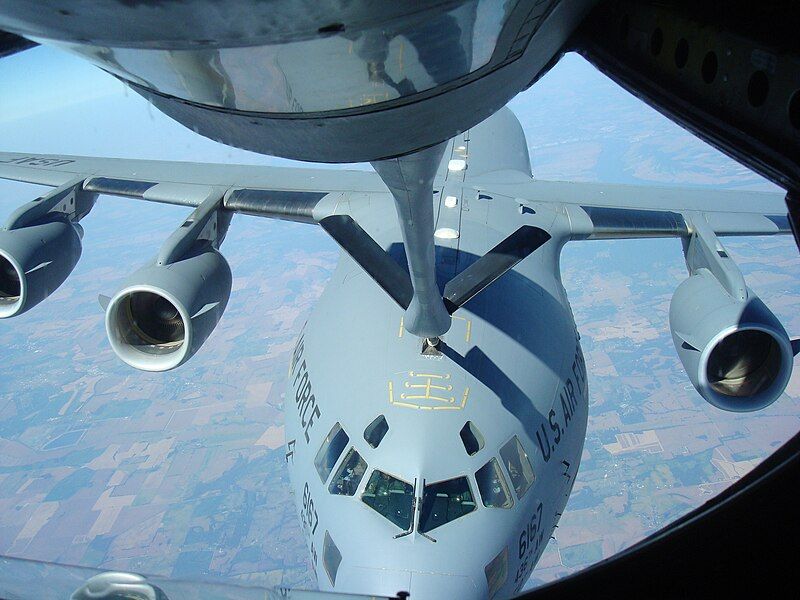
(744,363)
(10,286)
(150,323)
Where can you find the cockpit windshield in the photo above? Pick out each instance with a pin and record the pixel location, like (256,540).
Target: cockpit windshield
(390,497)
(330,451)
(349,475)
(519,466)
(445,501)
(492,486)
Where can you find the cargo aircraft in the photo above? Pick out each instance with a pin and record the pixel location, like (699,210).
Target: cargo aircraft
(437,396)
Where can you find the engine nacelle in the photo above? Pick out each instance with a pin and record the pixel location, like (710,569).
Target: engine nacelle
(34,261)
(736,352)
(164,313)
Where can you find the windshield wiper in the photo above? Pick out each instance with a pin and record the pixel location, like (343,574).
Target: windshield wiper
(410,529)
(416,520)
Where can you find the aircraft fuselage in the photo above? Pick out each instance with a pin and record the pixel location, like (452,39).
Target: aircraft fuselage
(510,371)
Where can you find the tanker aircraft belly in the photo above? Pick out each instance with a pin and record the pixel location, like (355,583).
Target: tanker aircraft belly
(434,458)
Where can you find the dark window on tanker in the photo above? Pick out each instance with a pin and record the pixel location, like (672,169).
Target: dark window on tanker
(391,497)
(492,486)
(349,475)
(445,501)
(471,437)
(375,431)
(330,451)
(519,466)
(331,558)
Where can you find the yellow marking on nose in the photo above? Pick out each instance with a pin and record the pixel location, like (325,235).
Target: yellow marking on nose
(456,407)
(407,405)
(467,327)
(431,393)
(428,375)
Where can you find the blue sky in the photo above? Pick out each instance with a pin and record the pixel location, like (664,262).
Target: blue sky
(57,103)
(42,80)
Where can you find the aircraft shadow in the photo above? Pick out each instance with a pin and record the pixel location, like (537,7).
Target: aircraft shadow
(491,305)
(484,369)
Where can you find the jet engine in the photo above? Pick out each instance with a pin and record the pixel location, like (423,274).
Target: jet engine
(34,261)
(168,308)
(164,312)
(734,349)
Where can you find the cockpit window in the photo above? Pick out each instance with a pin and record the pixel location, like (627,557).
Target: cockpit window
(375,431)
(331,558)
(391,497)
(471,437)
(349,475)
(519,466)
(330,451)
(497,573)
(445,501)
(492,486)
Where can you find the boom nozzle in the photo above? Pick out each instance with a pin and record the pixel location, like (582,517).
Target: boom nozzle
(410,180)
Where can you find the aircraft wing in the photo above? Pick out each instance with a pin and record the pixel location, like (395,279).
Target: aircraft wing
(604,211)
(597,211)
(593,211)
(278,192)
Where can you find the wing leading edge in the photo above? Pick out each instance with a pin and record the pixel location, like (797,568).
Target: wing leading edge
(597,222)
(278,192)
(307,195)
(607,211)
(596,211)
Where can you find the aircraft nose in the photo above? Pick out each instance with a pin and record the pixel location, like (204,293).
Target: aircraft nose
(427,586)
(421,585)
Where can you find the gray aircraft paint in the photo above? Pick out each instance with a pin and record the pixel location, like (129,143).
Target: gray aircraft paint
(515,366)
(511,362)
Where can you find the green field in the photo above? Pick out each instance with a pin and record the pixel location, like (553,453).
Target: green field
(582,554)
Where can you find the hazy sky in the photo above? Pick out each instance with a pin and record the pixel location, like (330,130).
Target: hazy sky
(42,79)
